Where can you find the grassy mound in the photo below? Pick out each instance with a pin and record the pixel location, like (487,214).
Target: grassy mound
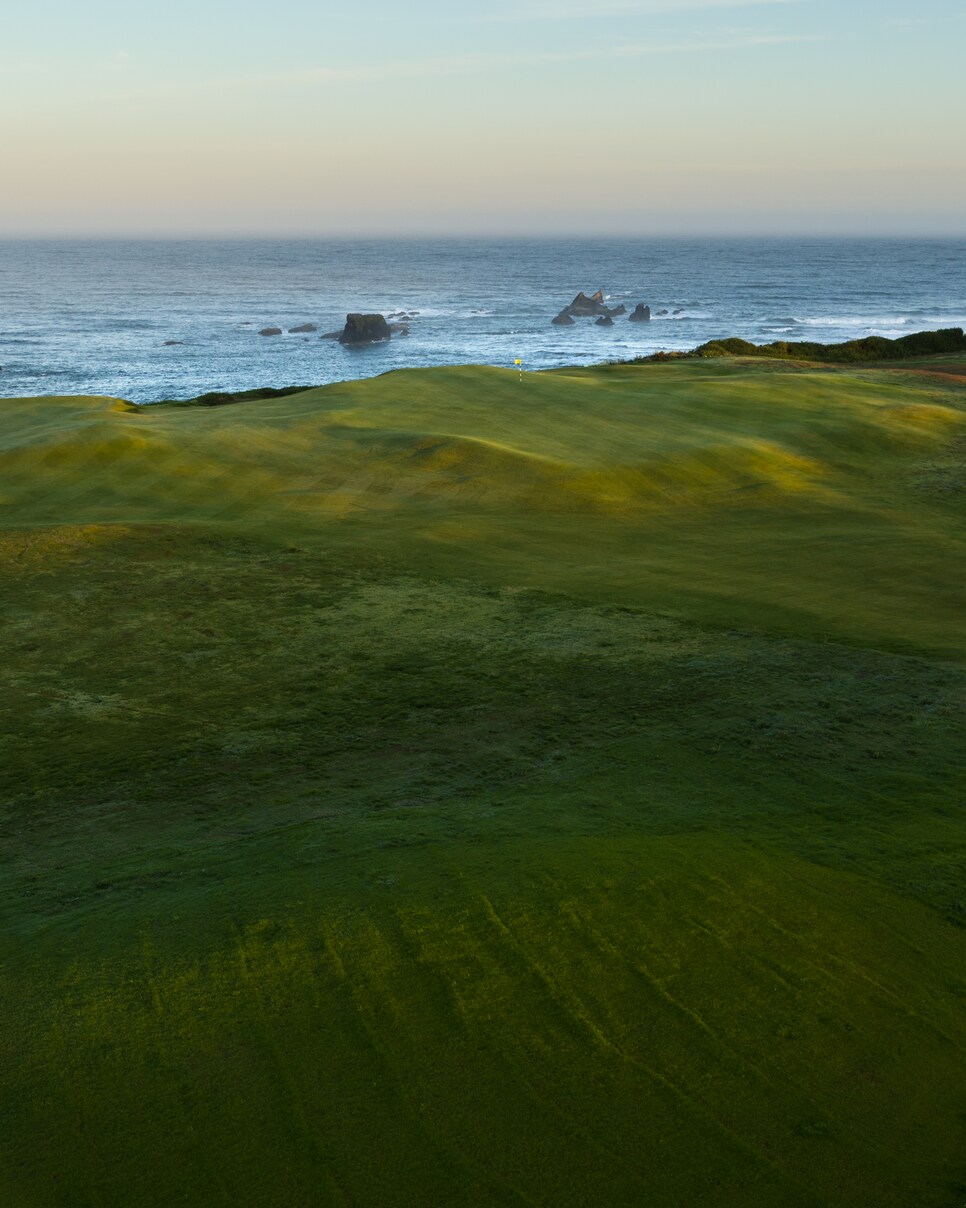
(443,789)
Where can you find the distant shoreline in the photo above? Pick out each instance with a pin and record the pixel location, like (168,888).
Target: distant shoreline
(152,321)
(868,351)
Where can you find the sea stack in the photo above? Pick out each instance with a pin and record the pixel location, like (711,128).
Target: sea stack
(365,329)
(640,314)
(584,306)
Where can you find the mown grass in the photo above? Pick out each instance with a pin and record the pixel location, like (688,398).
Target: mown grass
(437,790)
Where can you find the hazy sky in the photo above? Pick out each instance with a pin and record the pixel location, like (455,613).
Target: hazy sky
(517,116)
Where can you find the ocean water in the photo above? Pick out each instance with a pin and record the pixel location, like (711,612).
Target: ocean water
(92,317)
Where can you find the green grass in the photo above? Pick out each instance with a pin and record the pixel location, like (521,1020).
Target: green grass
(444,789)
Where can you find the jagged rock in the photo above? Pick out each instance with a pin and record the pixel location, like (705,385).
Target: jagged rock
(564,319)
(584,306)
(270,331)
(365,329)
(619,310)
(297,331)
(604,321)
(640,314)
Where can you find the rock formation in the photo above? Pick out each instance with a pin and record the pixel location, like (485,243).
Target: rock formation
(640,314)
(604,321)
(270,331)
(365,329)
(584,306)
(297,331)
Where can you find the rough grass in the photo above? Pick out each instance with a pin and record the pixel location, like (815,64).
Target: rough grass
(437,790)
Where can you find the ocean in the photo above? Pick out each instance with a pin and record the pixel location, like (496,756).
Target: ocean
(149,319)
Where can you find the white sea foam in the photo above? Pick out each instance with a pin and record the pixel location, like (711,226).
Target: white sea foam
(856,326)
(849,321)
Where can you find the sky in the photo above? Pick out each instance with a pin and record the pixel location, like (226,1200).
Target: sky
(506,117)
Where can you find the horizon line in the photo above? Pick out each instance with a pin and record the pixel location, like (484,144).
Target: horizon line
(458,236)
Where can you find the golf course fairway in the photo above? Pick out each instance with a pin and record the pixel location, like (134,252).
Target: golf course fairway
(470,788)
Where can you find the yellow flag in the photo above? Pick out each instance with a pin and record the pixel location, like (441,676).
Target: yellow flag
(518,361)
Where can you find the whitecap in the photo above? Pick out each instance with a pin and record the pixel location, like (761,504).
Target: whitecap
(868,321)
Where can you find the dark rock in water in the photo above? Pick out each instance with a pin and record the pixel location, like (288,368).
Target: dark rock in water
(604,321)
(583,306)
(297,331)
(399,329)
(593,307)
(330,335)
(270,331)
(662,312)
(563,319)
(171,343)
(679,311)
(640,314)
(365,329)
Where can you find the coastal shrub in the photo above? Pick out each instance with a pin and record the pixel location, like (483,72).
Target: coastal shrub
(929,343)
(869,348)
(727,348)
(219,398)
